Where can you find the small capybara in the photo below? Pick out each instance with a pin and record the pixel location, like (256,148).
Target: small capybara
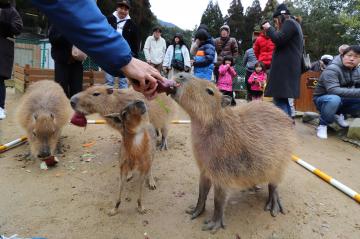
(43,111)
(235,147)
(104,100)
(137,148)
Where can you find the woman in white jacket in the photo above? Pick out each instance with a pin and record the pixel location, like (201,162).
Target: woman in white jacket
(177,57)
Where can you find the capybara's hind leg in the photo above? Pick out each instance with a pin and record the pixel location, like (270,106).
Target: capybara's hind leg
(114,211)
(204,188)
(151,181)
(217,220)
(164,134)
(140,207)
(273,203)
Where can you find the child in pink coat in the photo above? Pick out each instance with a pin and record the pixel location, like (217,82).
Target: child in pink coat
(226,75)
(257,81)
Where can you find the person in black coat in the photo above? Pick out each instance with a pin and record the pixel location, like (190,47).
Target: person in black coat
(285,71)
(68,71)
(122,23)
(10,25)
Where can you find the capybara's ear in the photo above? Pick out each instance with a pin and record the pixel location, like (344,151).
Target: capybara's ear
(115,116)
(225,101)
(110,91)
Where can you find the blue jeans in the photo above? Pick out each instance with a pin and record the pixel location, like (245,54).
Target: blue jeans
(283,104)
(329,105)
(110,80)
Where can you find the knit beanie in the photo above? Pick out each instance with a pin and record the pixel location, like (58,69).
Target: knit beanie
(281,9)
(202,35)
(226,28)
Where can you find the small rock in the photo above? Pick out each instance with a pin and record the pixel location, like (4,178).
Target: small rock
(28,171)
(145,223)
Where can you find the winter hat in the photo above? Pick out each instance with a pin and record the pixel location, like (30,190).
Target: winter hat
(226,28)
(328,57)
(202,35)
(203,26)
(125,3)
(281,9)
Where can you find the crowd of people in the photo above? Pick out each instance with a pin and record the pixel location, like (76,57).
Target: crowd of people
(273,64)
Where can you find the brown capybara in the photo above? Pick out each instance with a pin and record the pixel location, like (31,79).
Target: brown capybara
(235,147)
(43,111)
(104,100)
(137,148)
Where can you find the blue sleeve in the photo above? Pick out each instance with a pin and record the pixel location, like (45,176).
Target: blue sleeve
(208,58)
(82,23)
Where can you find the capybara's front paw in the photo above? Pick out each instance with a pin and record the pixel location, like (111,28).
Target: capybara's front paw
(152,184)
(195,211)
(141,210)
(213,226)
(113,212)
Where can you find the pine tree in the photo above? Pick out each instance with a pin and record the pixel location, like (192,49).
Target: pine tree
(213,18)
(253,17)
(269,9)
(236,20)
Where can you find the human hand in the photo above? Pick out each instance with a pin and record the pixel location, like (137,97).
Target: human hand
(266,25)
(143,77)
(192,62)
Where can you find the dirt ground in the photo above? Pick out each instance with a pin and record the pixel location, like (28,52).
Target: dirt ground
(72,199)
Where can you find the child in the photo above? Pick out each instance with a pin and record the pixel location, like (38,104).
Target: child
(257,81)
(204,58)
(226,75)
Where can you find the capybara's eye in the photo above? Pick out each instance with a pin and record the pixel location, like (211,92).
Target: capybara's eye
(210,91)
(96,94)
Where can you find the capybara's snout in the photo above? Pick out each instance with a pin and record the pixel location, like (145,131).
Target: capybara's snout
(141,106)
(44,152)
(73,101)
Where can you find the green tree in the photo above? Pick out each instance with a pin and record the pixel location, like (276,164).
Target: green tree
(269,9)
(322,26)
(236,20)
(351,18)
(213,18)
(253,17)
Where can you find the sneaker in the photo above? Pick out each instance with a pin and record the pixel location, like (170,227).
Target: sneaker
(340,120)
(2,114)
(322,131)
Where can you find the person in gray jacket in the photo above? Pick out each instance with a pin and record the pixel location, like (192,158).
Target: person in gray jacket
(338,90)
(249,62)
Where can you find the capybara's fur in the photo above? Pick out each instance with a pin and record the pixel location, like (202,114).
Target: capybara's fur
(235,147)
(43,111)
(137,148)
(103,100)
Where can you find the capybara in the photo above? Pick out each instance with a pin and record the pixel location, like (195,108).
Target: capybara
(235,147)
(137,148)
(43,111)
(104,100)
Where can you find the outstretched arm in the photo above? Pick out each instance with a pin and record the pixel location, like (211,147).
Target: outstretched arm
(92,34)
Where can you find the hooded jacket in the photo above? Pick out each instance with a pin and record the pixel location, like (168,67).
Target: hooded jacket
(339,80)
(204,60)
(263,49)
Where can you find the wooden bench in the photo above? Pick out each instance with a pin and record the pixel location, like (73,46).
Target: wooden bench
(24,76)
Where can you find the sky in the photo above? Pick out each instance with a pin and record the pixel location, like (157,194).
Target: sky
(187,13)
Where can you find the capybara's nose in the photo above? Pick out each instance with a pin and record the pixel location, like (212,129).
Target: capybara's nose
(140,105)
(44,154)
(73,101)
